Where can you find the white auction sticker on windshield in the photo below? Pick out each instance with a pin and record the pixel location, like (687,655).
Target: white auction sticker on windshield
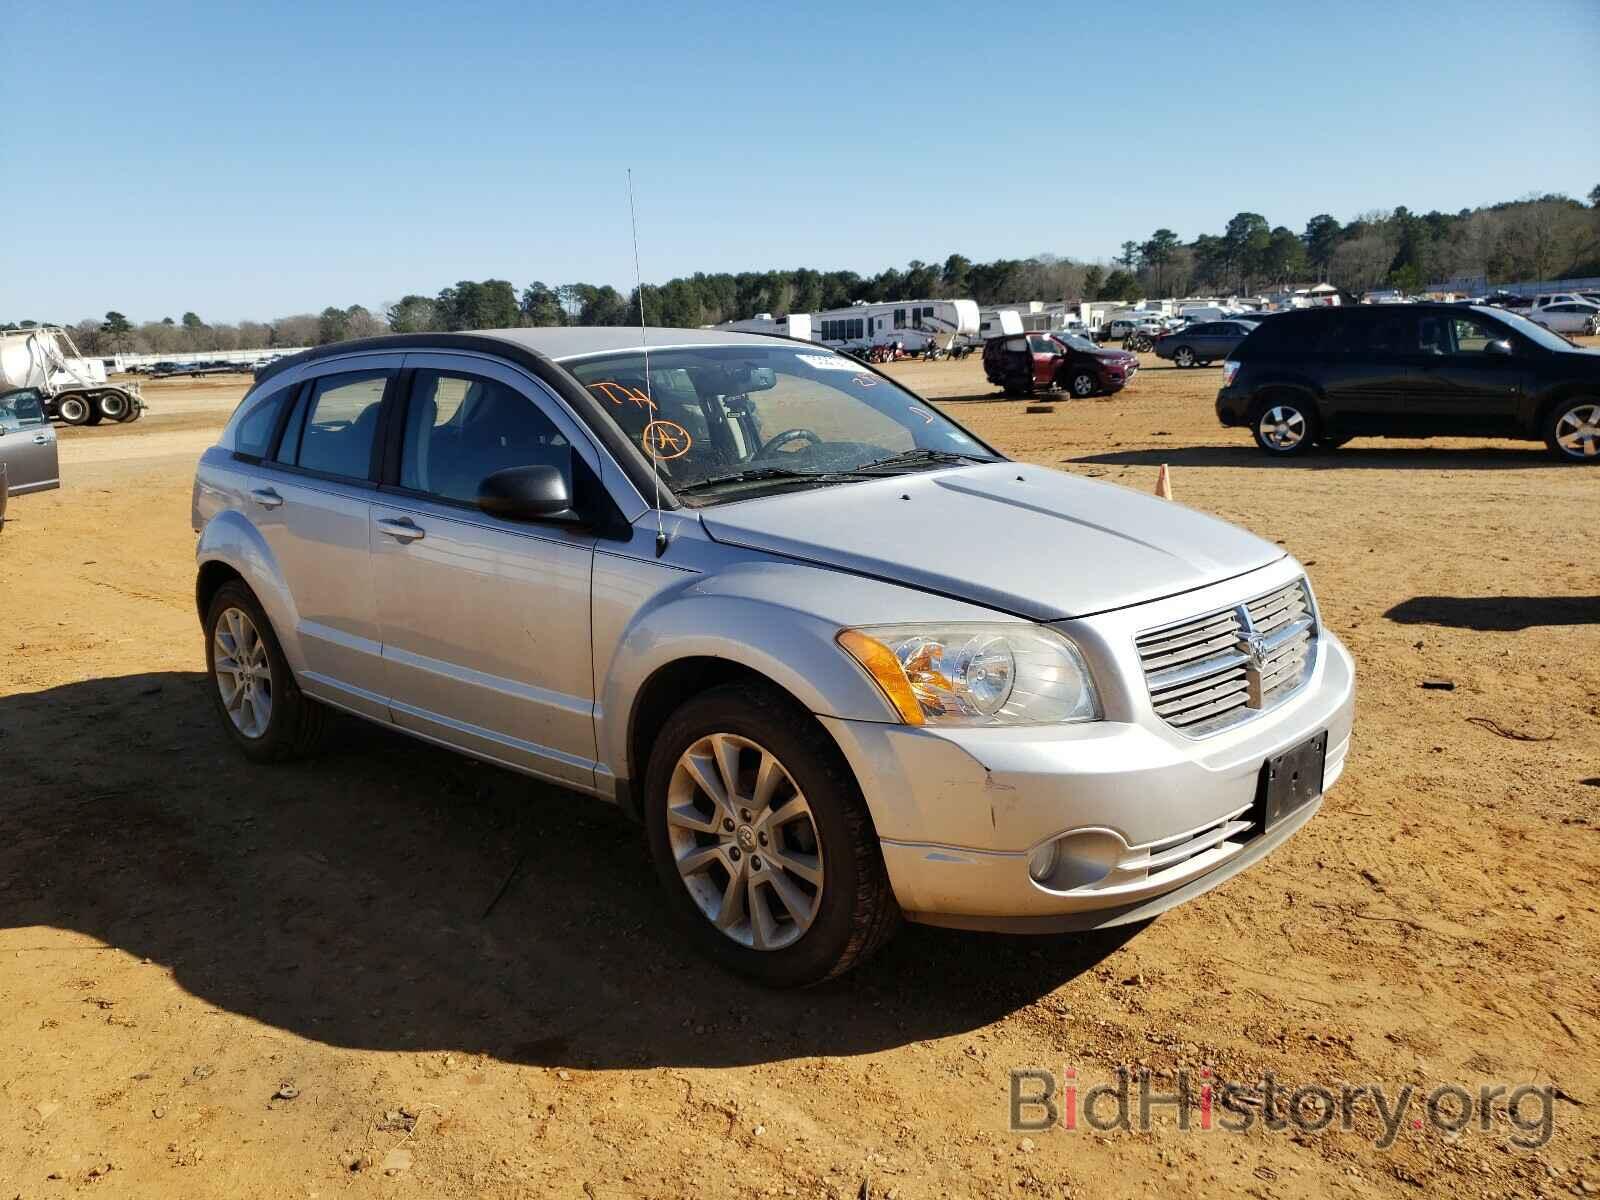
(829,362)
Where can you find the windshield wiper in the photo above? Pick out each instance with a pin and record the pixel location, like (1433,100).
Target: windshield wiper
(923,457)
(760,475)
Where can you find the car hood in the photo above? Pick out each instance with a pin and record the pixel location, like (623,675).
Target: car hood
(1021,539)
(1114,355)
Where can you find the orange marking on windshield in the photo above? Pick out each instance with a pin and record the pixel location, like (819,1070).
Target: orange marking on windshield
(665,439)
(618,393)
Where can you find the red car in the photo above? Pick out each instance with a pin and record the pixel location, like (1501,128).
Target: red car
(1025,364)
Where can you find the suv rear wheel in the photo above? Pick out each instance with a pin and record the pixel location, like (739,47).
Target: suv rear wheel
(1573,432)
(1284,426)
(762,840)
(255,694)
(1184,357)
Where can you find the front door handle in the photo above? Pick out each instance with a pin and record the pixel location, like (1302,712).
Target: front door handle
(266,497)
(403,529)
(40,439)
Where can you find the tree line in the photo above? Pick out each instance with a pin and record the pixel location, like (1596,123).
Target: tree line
(1538,237)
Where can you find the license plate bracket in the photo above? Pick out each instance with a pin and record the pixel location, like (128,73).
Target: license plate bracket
(1290,781)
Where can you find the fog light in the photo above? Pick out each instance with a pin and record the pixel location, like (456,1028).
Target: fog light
(1076,860)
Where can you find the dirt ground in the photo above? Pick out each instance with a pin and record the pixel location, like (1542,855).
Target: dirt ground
(224,980)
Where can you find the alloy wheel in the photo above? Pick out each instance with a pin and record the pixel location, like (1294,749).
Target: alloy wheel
(745,841)
(1282,427)
(1578,431)
(1083,384)
(1184,357)
(243,671)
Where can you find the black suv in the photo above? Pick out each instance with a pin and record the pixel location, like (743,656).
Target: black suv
(1325,375)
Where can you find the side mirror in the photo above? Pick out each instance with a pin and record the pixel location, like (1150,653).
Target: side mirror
(1501,346)
(536,493)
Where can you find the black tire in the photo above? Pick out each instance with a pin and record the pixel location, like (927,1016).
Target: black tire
(856,911)
(1295,417)
(113,406)
(1576,421)
(296,723)
(135,411)
(1082,383)
(75,409)
(1184,357)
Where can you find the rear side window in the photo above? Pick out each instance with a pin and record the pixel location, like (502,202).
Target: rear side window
(1289,335)
(253,435)
(1391,333)
(340,425)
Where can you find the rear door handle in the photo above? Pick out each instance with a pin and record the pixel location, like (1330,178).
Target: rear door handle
(402,529)
(266,497)
(40,439)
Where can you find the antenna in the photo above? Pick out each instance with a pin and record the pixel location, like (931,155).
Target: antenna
(644,341)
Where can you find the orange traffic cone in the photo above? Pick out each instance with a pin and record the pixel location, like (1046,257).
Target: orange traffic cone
(1164,483)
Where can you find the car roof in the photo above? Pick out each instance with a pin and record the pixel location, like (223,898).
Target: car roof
(566,342)
(560,343)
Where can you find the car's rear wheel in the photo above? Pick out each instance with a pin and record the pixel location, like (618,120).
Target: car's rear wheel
(1284,426)
(762,840)
(1083,383)
(1573,432)
(74,410)
(261,707)
(1184,356)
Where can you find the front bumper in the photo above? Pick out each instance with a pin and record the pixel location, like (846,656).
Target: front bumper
(960,811)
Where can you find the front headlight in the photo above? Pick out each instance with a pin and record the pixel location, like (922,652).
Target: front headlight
(976,674)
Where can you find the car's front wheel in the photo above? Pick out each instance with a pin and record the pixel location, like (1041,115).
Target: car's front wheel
(261,707)
(762,840)
(1573,432)
(1184,356)
(1083,383)
(1284,427)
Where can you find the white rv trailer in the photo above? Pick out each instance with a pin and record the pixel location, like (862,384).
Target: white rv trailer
(912,323)
(795,325)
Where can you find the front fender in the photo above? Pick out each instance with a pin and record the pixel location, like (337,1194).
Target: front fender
(794,650)
(230,539)
(777,618)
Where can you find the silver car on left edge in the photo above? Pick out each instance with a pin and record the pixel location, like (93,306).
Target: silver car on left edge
(844,661)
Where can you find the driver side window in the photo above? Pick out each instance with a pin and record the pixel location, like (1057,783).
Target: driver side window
(461,428)
(21,410)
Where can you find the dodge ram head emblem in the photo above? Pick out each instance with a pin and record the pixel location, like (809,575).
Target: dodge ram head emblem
(1255,647)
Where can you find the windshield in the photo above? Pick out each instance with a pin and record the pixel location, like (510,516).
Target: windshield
(1076,342)
(1531,330)
(719,421)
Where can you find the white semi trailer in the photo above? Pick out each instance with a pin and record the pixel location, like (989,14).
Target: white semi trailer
(74,388)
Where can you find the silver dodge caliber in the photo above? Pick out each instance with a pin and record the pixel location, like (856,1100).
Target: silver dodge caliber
(844,661)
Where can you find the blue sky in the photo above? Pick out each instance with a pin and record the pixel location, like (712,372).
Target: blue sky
(252,161)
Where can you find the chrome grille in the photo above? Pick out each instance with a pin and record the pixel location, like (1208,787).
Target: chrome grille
(1210,672)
